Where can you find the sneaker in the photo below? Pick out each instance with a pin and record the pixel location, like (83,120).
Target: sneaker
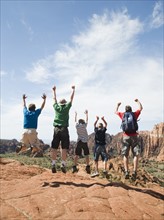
(74,169)
(134,175)
(95,174)
(88,169)
(53,169)
(18,149)
(63,168)
(105,172)
(126,175)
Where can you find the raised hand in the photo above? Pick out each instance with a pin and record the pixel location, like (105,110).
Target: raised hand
(24,96)
(54,88)
(44,96)
(86,112)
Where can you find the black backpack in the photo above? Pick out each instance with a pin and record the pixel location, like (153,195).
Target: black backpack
(129,123)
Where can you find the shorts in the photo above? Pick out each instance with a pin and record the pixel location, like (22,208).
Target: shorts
(130,142)
(82,146)
(100,150)
(61,135)
(30,138)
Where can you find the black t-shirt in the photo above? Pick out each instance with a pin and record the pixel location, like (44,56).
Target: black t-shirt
(100,136)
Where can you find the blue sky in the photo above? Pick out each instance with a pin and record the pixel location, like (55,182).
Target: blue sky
(112,51)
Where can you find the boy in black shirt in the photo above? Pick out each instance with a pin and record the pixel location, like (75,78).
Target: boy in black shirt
(100,142)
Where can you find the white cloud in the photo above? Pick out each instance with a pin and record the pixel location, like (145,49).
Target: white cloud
(157,19)
(106,39)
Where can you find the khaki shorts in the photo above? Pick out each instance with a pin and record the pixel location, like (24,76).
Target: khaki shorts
(30,138)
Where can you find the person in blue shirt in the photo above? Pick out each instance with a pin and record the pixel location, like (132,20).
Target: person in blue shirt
(29,137)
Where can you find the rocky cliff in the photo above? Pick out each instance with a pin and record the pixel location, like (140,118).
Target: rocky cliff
(152,143)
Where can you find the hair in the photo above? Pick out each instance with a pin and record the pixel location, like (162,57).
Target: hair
(81,121)
(100,125)
(128,108)
(31,107)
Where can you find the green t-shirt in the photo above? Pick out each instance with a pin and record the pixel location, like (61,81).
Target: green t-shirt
(62,114)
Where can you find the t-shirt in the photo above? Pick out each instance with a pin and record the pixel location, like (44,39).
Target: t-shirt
(62,114)
(82,132)
(31,118)
(136,115)
(100,135)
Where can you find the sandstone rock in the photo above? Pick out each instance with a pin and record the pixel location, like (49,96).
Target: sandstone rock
(76,197)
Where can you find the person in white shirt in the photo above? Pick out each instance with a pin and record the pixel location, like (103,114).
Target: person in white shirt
(82,142)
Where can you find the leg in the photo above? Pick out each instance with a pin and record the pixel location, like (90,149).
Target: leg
(54,147)
(96,166)
(76,159)
(53,153)
(135,162)
(105,165)
(64,155)
(24,143)
(34,141)
(125,152)
(136,150)
(87,160)
(126,163)
(64,144)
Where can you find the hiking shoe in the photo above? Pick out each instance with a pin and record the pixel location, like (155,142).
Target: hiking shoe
(126,175)
(134,175)
(18,149)
(88,169)
(63,168)
(95,174)
(74,169)
(53,169)
(105,172)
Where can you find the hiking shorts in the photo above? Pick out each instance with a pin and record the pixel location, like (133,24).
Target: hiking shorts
(130,142)
(61,135)
(30,138)
(82,146)
(100,150)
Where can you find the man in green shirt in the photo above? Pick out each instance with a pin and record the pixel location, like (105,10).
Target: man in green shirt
(61,132)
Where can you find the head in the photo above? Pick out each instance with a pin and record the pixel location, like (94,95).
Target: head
(62,102)
(31,107)
(100,125)
(81,121)
(128,108)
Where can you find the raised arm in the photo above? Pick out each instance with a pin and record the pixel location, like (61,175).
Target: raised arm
(86,112)
(44,100)
(117,107)
(97,118)
(139,103)
(54,93)
(24,100)
(104,122)
(72,95)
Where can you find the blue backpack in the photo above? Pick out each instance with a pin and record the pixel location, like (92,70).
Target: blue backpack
(129,123)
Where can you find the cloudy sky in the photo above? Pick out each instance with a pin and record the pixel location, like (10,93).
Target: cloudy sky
(112,51)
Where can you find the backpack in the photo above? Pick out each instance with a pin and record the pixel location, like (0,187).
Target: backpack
(129,123)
